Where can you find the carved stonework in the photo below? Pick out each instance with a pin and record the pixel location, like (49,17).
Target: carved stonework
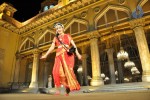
(121,1)
(108,44)
(36,51)
(64,21)
(97,9)
(109,51)
(93,34)
(7,9)
(18,56)
(84,14)
(136,23)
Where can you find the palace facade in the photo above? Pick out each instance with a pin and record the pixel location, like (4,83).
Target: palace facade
(100,29)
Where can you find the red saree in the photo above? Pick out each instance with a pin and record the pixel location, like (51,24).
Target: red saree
(63,67)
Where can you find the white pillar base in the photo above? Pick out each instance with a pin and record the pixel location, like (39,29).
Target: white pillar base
(97,82)
(33,85)
(146,78)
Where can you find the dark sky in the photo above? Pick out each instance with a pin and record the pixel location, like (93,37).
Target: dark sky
(26,9)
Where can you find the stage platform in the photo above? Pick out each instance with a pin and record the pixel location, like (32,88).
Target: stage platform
(128,91)
(127,95)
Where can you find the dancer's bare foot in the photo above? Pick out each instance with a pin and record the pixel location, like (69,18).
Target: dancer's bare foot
(66,94)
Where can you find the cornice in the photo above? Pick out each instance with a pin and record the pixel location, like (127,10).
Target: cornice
(44,18)
(137,22)
(47,18)
(36,51)
(54,15)
(93,34)
(9,23)
(5,5)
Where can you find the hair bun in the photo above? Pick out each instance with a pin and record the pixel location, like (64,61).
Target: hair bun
(58,23)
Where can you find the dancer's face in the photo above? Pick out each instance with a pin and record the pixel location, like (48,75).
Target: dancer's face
(59,29)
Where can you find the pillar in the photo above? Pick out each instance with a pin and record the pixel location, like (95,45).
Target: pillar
(34,78)
(96,71)
(137,26)
(46,65)
(84,65)
(17,67)
(120,72)
(111,65)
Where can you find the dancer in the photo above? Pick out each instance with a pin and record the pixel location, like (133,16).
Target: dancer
(63,73)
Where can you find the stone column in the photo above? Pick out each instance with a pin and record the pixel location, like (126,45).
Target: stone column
(137,26)
(111,65)
(17,67)
(46,65)
(34,78)
(120,71)
(96,71)
(84,66)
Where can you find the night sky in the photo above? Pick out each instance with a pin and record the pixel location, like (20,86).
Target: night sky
(26,9)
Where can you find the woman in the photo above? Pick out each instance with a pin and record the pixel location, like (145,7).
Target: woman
(63,67)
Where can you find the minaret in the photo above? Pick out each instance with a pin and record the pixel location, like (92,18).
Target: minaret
(7,9)
(54,4)
(65,2)
(48,4)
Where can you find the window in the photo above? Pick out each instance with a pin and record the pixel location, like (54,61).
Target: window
(76,28)
(51,6)
(45,8)
(27,45)
(46,39)
(107,19)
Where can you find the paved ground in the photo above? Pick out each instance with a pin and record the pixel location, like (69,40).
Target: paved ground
(130,95)
(133,91)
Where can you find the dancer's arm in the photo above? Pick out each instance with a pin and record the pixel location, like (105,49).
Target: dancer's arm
(52,47)
(77,53)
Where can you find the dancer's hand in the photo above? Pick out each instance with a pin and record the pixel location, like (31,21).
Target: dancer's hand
(43,57)
(79,57)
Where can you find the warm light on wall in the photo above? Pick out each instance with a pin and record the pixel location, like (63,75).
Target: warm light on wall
(1,15)
(8,13)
